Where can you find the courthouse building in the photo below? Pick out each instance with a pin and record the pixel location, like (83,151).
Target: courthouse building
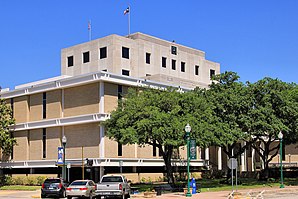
(94,75)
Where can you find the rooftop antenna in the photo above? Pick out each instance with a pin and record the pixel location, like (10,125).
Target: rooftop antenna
(127,11)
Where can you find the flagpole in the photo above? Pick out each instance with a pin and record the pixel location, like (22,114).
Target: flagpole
(129,20)
(90,29)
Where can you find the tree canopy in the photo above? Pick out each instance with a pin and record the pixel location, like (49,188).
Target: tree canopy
(158,117)
(6,120)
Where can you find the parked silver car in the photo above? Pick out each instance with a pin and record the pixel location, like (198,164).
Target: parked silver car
(81,188)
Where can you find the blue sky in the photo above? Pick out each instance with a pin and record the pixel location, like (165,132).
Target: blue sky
(255,38)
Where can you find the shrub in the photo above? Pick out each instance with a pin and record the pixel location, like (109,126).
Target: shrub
(20,180)
(40,179)
(31,180)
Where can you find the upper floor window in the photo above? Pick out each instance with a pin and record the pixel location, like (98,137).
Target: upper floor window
(125,52)
(86,57)
(70,61)
(103,53)
(174,50)
(197,70)
(11,106)
(125,72)
(148,58)
(120,149)
(164,62)
(173,64)
(120,94)
(44,143)
(212,73)
(44,105)
(182,66)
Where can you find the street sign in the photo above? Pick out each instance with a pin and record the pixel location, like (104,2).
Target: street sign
(232,163)
(68,165)
(192,149)
(60,155)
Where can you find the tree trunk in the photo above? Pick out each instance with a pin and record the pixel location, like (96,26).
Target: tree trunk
(167,156)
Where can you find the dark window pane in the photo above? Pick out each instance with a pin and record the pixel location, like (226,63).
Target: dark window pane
(174,50)
(197,70)
(125,72)
(154,148)
(44,105)
(86,57)
(212,73)
(125,52)
(120,95)
(148,58)
(44,143)
(11,106)
(119,149)
(70,61)
(173,64)
(164,62)
(103,53)
(182,66)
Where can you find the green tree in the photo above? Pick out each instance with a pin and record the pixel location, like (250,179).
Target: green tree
(157,118)
(6,120)
(275,109)
(230,104)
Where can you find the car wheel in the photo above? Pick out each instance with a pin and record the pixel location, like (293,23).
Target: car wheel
(127,196)
(69,197)
(63,195)
(43,196)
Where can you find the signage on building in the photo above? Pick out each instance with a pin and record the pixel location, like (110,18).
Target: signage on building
(60,155)
(192,149)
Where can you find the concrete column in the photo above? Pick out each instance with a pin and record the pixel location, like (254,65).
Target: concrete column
(207,156)
(253,159)
(219,158)
(101,171)
(101,97)
(62,103)
(262,162)
(102,141)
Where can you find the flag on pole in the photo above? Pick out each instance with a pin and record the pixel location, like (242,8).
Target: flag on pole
(126,11)
(89,25)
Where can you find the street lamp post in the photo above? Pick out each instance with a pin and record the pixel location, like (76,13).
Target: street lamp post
(64,140)
(187,130)
(280,136)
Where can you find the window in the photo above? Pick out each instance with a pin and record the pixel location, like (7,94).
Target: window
(125,72)
(11,154)
(120,92)
(173,64)
(103,53)
(125,52)
(174,50)
(154,149)
(44,105)
(105,70)
(182,66)
(212,73)
(11,106)
(164,62)
(119,149)
(148,75)
(197,70)
(44,143)
(148,58)
(70,61)
(86,57)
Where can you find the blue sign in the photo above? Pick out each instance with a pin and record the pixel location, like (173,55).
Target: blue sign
(60,155)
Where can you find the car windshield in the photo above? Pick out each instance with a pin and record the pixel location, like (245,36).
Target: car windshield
(52,181)
(78,183)
(112,179)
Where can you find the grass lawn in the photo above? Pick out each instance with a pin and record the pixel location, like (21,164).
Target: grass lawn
(217,185)
(20,188)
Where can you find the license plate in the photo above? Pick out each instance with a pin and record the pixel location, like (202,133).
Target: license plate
(76,189)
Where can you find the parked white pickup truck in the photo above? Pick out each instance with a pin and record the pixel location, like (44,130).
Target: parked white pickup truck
(113,186)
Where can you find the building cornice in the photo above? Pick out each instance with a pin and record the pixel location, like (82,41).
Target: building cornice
(86,79)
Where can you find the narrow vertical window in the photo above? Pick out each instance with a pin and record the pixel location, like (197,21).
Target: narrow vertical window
(212,73)
(120,92)
(11,106)
(70,61)
(174,50)
(164,62)
(119,149)
(148,58)
(44,143)
(125,52)
(44,105)
(154,148)
(173,64)
(182,66)
(103,53)
(197,70)
(86,57)
(11,154)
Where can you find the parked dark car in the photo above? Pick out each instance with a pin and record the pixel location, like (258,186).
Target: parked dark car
(55,187)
